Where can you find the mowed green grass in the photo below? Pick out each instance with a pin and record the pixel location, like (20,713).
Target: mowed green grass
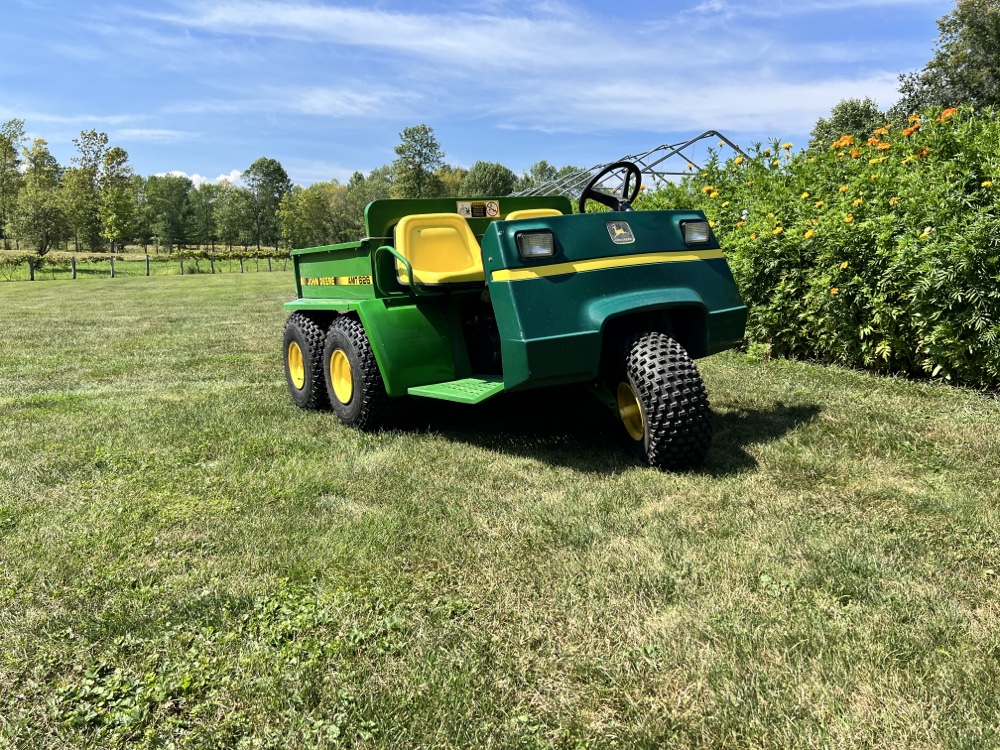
(188,560)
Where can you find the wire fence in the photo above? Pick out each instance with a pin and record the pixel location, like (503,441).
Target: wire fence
(56,267)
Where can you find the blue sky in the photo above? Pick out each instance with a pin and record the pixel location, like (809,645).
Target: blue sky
(325,86)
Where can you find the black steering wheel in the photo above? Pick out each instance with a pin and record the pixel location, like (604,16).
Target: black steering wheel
(631,184)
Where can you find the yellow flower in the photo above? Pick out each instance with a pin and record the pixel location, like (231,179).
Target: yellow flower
(777,230)
(810,234)
(872,141)
(986,183)
(815,222)
(767,152)
(849,218)
(843,265)
(707,189)
(804,196)
(884,146)
(753,236)
(689,166)
(775,163)
(738,160)
(909,158)
(857,202)
(843,188)
(894,201)
(722,143)
(714,194)
(725,204)
(787,146)
(874,176)
(711,224)
(878,160)
(843,141)
(914,118)
(835,290)
(820,204)
(770,216)
(926,233)
(740,223)
(947,113)
(881,131)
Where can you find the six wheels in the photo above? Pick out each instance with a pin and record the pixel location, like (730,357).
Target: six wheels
(660,396)
(662,403)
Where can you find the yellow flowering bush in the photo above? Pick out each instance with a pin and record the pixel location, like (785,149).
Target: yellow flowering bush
(887,262)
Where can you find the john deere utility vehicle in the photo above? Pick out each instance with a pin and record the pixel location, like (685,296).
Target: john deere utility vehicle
(464,299)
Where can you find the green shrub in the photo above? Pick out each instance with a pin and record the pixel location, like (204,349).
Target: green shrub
(883,254)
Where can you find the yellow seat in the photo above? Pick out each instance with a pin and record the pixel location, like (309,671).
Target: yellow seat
(533,213)
(441,249)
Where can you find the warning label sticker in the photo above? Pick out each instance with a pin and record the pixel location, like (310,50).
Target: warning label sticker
(479,209)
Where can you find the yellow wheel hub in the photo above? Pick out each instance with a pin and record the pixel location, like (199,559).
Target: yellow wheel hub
(341,376)
(630,410)
(296,365)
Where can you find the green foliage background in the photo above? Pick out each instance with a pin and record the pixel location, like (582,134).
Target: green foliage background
(882,254)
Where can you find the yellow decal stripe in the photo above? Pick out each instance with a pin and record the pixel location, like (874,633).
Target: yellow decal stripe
(558,269)
(336,280)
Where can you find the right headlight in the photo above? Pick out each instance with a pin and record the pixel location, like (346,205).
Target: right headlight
(536,244)
(696,232)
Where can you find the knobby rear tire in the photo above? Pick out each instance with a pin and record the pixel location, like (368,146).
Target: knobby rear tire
(369,407)
(310,337)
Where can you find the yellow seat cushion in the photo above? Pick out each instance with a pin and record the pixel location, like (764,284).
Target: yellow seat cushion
(441,248)
(533,213)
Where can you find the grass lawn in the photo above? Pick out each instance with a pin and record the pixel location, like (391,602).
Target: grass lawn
(187,560)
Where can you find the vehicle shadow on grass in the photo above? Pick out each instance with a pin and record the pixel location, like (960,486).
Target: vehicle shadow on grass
(568,427)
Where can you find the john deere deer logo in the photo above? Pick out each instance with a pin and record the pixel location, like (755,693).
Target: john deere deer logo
(621,232)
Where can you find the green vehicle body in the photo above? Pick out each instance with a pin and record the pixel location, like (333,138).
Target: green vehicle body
(557,318)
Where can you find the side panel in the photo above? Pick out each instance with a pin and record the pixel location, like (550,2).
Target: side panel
(334,272)
(413,345)
(552,312)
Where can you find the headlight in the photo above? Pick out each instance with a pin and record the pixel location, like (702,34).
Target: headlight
(535,244)
(695,232)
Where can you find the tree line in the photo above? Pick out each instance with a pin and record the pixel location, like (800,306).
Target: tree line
(97,203)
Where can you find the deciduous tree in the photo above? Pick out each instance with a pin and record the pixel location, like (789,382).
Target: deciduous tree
(117,200)
(489,178)
(267,182)
(855,117)
(39,218)
(965,68)
(418,157)
(11,142)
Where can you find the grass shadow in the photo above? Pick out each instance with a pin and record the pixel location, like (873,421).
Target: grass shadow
(568,427)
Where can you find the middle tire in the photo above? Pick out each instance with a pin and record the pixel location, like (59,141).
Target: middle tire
(353,381)
(663,404)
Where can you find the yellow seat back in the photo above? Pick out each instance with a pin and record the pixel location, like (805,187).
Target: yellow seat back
(533,213)
(441,249)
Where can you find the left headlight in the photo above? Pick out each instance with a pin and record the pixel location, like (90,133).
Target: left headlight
(696,232)
(536,244)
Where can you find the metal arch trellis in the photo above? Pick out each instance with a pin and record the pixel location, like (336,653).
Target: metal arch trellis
(649,162)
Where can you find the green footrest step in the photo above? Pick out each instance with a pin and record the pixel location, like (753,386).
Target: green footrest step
(464,391)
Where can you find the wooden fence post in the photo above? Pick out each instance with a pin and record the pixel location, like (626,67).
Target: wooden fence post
(268,262)
(72,263)
(147,264)
(112,266)
(31,269)
(211,262)
(182,266)
(241,264)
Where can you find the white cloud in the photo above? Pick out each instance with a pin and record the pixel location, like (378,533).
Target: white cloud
(316,100)
(154,135)
(233,177)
